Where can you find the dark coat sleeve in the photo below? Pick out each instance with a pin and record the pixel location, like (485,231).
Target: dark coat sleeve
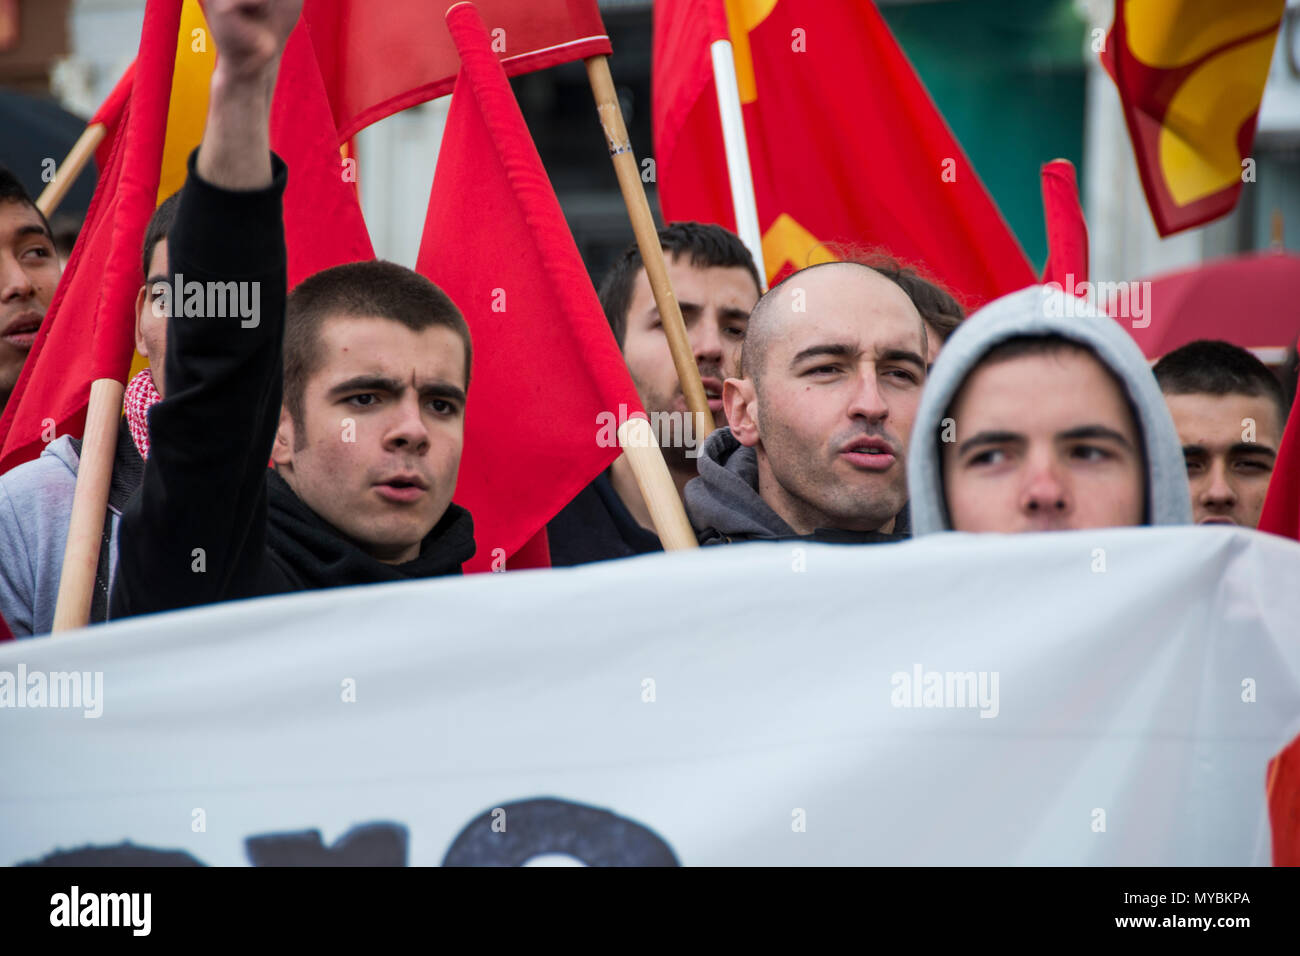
(196,531)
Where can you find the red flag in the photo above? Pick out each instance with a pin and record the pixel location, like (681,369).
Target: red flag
(1281,514)
(1190,77)
(1284,804)
(546,363)
(323,225)
(109,115)
(1067,232)
(378,62)
(88,332)
(845,145)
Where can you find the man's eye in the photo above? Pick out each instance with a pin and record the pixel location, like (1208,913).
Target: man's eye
(736,332)
(1194,467)
(1090,453)
(41,252)
(363,400)
(1258,467)
(442,407)
(822,370)
(902,374)
(990,456)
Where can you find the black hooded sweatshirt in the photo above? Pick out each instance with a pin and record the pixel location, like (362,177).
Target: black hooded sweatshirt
(211,522)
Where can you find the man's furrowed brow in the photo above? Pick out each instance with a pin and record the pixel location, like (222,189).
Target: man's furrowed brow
(368,383)
(833,349)
(443,390)
(1102,432)
(989,437)
(902,355)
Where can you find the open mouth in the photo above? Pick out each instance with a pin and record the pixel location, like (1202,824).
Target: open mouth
(713,392)
(401,489)
(21,332)
(869,454)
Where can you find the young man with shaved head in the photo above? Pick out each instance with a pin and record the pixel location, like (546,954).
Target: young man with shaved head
(1230,412)
(832,371)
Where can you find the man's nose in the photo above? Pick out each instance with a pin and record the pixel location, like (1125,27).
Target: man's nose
(407,428)
(867,401)
(14,282)
(1045,491)
(706,341)
(1217,492)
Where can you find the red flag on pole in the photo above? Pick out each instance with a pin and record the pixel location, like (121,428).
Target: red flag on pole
(546,364)
(1067,232)
(844,142)
(377,62)
(1190,77)
(88,332)
(109,115)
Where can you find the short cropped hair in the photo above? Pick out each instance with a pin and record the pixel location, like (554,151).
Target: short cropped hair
(1213,367)
(359,289)
(160,225)
(12,190)
(708,246)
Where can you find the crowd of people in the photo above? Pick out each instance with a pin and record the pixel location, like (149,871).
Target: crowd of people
(854,404)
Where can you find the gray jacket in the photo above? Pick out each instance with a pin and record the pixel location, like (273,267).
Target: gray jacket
(35,507)
(724,505)
(1043,310)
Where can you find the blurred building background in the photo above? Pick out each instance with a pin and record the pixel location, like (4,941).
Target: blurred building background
(1017,80)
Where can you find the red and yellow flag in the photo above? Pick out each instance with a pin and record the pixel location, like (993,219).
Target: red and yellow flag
(88,332)
(1190,75)
(845,145)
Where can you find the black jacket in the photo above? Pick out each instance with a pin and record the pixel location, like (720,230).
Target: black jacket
(211,522)
(596,526)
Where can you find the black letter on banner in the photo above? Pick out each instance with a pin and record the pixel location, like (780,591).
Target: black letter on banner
(547,825)
(370,844)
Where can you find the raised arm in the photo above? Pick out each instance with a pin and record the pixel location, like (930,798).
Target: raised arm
(196,531)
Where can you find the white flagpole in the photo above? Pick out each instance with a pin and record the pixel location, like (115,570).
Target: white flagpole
(733,136)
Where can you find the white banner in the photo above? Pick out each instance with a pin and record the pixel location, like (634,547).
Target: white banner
(1095,697)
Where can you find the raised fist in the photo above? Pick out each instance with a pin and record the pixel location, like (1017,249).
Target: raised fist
(250,34)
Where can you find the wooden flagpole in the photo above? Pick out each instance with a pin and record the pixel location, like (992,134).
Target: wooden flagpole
(657,488)
(70,168)
(647,239)
(89,503)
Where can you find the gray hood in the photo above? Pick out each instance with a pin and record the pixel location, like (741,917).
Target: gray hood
(725,496)
(1044,310)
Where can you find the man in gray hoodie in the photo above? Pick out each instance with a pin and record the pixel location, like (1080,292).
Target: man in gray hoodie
(36,497)
(1042,414)
(832,369)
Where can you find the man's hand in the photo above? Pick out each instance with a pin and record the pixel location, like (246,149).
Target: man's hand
(250,37)
(250,34)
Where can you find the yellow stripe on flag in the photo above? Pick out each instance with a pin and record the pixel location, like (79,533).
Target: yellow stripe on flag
(187,110)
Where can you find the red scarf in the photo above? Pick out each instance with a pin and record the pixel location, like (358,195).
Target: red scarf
(140,397)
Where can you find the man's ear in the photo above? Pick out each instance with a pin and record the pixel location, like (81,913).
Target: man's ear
(740,401)
(139,331)
(282,450)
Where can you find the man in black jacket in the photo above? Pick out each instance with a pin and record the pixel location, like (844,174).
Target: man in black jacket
(375,363)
